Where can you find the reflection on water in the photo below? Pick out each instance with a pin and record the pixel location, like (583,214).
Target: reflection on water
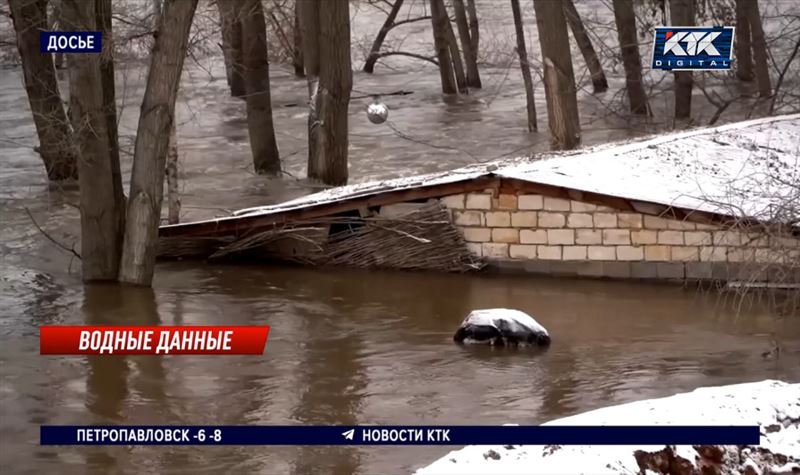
(351,347)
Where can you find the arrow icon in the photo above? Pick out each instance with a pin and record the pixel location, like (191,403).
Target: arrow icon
(349,434)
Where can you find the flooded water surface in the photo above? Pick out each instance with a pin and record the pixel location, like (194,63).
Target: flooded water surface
(352,347)
(345,347)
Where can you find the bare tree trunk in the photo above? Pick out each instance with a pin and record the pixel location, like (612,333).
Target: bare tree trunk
(232,45)
(173,196)
(310,31)
(266,158)
(225,45)
(152,140)
(599,82)
(474,30)
(522,51)
(439,22)
(102,206)
(107,79)
(335,85)
(388,24)
(53,21)
(56,144)
(470,55)
(559,85)
(682,13)
(626,31)
(759,50)
(455,54)
(744,55)
(297,54)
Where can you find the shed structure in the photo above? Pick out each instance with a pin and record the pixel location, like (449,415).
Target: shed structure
(708,204)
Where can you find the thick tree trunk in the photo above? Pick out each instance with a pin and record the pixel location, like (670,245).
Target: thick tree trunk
(562,103)
(152,140)
(599,82)
(682,14)
(297,54)
(388,24)
(56,144)
(470,55)
(173,196)
(522,51)
(310,31)
(439,23)
(107,79)
(266,159)
(474,30)
(626,32)
(455,54)
(760,55)
(231,26)
(744,55)
(102,205)
(335,85)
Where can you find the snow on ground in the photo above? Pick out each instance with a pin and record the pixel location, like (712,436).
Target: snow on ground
(773,405)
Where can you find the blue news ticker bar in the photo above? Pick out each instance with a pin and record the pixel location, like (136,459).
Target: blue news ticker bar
(70,42)
(400,435)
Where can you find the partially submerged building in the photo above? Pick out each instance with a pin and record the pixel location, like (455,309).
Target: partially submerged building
(711,204)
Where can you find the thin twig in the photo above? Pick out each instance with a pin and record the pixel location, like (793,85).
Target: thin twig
(62,246)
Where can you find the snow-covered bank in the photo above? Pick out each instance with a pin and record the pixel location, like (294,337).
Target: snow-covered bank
(773,405)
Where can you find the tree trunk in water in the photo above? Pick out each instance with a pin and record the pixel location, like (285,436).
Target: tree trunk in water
(297,54)
(455,55)
(522,51)
(470,55)
(152,140)
(759,49)
(682,13)
(744,55)
(107,79)
(439,23)
(232,45)
(369,64)
(56,144)
(310,30)
(599,82)
(102,206)
(266,159)
(173,197)
(335,85)
(559,85)
(626,31)
(474,30)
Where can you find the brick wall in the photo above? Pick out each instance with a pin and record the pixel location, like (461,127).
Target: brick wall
(526,227)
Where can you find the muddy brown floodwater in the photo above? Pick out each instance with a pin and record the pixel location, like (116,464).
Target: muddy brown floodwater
(351,347)
(346,347)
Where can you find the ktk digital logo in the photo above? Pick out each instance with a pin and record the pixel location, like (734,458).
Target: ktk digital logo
(693,48)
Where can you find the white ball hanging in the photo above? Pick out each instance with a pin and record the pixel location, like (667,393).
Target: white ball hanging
(377,112)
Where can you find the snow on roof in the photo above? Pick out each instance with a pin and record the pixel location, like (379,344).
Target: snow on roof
(730,170)
(741,169)
(369,189)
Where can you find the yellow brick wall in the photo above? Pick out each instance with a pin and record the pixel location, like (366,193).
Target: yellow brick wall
(527,226)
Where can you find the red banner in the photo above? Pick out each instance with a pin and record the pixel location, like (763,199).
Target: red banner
(152,340)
